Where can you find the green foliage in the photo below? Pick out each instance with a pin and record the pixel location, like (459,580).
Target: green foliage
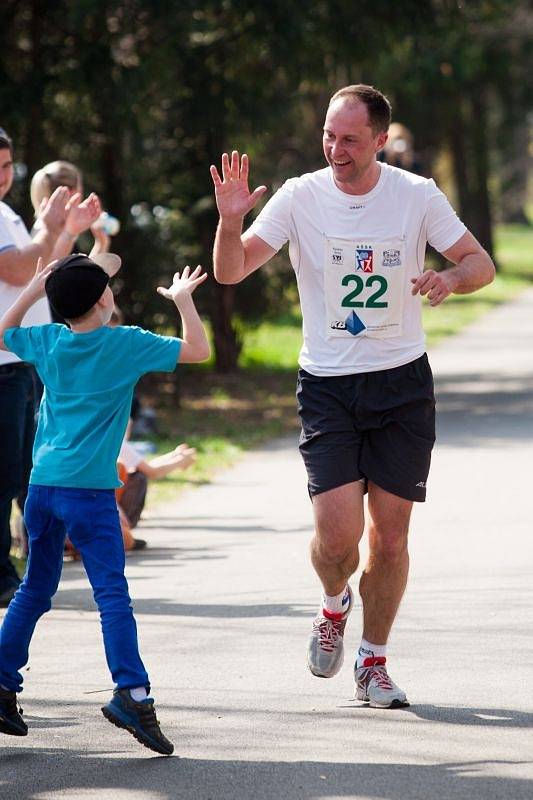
(144,94)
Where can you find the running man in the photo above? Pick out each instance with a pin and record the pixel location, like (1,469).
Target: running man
(357,231)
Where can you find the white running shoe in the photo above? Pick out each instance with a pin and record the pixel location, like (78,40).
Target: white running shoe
(325,650)
(374,686)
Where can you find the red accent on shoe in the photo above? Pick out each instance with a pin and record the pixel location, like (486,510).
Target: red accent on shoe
(333,615)
(374,661)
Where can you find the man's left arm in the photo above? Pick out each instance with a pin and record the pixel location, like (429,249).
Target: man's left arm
(473,269)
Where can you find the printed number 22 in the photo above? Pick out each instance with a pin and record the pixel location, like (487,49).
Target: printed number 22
(372,301)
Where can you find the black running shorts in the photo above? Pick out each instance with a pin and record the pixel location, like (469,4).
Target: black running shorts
(376,426)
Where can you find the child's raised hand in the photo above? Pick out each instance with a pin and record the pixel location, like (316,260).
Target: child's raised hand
(36,285)
(183,285)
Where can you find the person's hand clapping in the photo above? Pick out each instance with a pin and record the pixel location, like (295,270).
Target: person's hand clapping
(234,199)
(183,285)
(81,215)
(53,214)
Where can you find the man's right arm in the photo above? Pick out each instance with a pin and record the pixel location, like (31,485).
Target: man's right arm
(17,264)
(236,255)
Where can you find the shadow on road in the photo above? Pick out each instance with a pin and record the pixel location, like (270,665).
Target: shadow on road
(82,600)
(42,774)
(492,717)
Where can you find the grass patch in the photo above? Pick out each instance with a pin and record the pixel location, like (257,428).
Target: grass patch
(460,310)
(223,415)
(513,245)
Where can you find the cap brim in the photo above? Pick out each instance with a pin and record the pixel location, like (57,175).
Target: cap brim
(109,262)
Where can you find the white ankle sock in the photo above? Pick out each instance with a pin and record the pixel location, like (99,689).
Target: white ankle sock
(139,693)
(370,650)
(337,604)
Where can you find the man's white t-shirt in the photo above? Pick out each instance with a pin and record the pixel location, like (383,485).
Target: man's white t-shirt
(354,257)
(13,234)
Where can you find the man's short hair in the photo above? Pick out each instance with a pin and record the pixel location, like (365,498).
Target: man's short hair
(6,142)
(378,107)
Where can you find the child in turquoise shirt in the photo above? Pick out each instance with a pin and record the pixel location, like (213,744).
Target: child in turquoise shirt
(89,372)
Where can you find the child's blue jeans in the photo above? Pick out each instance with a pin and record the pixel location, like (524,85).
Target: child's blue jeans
(90,518)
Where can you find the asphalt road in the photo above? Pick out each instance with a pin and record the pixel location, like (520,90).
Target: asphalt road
(224,598)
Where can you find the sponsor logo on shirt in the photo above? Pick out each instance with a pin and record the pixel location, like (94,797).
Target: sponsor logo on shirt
(364,259)
(391,258)
(337,256)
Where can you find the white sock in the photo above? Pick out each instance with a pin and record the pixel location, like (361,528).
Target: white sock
(139,693)
(336,604)
(370,650)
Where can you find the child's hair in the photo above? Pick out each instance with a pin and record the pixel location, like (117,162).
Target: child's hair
(50,177)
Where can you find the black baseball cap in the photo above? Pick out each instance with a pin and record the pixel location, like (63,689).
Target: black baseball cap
(77,282)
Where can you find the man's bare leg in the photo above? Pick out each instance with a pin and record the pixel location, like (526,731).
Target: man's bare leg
(339,523)
(384,578)
(381,587)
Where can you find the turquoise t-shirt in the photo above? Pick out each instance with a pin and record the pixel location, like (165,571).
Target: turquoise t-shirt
(89,380)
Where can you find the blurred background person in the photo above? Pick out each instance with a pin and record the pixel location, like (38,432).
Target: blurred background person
(18,255)
(399,149)
(83,215)
(137,471)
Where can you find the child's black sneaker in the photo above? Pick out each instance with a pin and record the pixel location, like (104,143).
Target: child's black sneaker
(11,721)
(139,719)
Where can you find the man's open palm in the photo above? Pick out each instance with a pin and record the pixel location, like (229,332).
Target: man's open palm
(234,199)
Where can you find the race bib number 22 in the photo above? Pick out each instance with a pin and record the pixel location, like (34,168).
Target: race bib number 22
(364,285)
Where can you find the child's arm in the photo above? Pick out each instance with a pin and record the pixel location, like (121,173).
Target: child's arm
(195,346)
(181,457)
(29,295)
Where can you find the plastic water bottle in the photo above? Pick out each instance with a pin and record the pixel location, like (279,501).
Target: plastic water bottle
(109,224)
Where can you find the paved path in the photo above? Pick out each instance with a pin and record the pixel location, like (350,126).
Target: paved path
(224,598)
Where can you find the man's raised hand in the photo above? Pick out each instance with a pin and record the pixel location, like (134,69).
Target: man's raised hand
(234,199)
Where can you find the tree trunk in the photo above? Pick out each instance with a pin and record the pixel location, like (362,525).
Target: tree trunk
(227,345)
(469,148)
(222,305)
(480,164)
(516,158)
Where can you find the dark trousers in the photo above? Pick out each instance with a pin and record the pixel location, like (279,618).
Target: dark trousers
(17,431)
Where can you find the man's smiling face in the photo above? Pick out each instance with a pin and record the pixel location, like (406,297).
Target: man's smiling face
(350,144)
